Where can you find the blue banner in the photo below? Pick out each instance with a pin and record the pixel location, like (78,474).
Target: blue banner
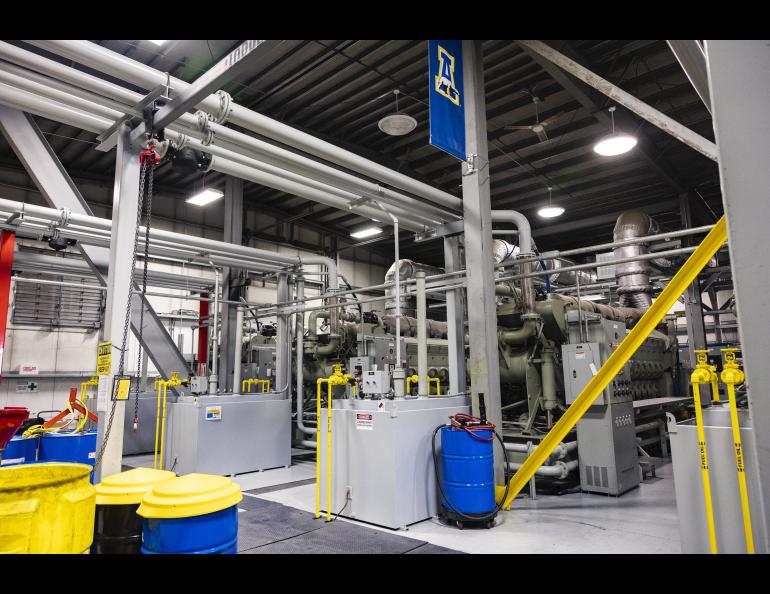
(446,98)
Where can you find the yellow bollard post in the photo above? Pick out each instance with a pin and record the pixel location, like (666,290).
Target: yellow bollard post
(329,455)
(319,383)
(732,375)
(701,376)
(158,385)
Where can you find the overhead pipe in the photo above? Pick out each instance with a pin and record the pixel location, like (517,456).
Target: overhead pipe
(525,250)
(224,109)
(279,161)
(223,160)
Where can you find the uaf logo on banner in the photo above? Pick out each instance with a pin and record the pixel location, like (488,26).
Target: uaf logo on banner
(447,115)
(445,79)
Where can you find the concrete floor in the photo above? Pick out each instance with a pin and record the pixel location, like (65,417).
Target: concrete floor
(641,521)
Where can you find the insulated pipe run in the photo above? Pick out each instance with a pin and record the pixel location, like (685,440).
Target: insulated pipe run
(300,322)
(237,353)
(525,250)
(222,107)
(213,378)
(560,470)
(267,157)
(559,452)
(64,107)
(422,336)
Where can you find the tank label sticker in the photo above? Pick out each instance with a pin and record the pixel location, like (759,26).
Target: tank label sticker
(6,461)
(580,355)
(364,421)
(213,413)
(91,455)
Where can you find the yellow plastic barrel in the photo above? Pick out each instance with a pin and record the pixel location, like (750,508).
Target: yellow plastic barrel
(46,508)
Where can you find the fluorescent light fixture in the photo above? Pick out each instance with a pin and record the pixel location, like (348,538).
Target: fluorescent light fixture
(615,144)
(366,232)
(205,197)
(158,42)
(397,124)
(549,212)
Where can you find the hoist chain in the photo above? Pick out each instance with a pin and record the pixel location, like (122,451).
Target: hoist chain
(147,170)
(147,222)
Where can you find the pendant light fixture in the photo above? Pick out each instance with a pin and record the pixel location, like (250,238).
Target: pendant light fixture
(397,124)
(552,210)
(616,143)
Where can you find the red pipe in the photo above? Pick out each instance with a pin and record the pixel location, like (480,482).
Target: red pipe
(203,336)
(7,243)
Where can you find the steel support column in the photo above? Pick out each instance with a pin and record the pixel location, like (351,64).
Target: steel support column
(233,233)
(693,304)
(119,286)
(7,245)
(483,364)
(690,55)
(739,84)
(455,310)
(282,350)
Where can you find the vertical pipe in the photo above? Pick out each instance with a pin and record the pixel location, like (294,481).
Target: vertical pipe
(422,336)
(213,379)
(237,350)
(300,363)
(282,336)
(455,315)
(7,244)
(203,336)
(399,364)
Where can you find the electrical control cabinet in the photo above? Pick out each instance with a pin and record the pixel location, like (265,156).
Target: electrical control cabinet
(376,383)
(606,434)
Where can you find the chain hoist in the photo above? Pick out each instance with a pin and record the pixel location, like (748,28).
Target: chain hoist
(149,159)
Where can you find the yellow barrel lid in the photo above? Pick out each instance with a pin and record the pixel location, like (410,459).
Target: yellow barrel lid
(190,495)
(126,488)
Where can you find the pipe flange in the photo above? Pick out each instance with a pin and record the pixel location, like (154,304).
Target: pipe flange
(531,316)
(225,107)
(181,142)
(204,125)
(64,217)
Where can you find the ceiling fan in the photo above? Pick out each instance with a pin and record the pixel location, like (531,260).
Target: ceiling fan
(538,127)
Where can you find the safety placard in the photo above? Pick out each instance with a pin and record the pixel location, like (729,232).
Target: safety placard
(26,386)
(124,384)
(213,413)
(364,421)
(104,358)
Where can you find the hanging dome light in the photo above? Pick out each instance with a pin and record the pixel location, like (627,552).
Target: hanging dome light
(550,211)
(397,124)
(616,143)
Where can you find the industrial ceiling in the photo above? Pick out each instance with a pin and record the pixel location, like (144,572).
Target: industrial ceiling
(338,90)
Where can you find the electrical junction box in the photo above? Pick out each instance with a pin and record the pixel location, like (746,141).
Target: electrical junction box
(376,383)
(199,384)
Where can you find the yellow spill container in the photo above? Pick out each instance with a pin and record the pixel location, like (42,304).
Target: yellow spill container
(46,508)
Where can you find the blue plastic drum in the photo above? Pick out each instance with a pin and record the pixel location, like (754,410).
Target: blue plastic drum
(468,472)
(192,514)
(20,451)
(69,447)
(210,534)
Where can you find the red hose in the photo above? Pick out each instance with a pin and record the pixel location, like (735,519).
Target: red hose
(460,421)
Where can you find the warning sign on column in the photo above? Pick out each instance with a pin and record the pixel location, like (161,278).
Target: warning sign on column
(364,421)
(104,358)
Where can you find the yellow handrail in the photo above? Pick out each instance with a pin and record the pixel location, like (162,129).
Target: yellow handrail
(414,379)
(732,375)
(247,383)
(160,420)
(625,350)
(702,375)
(335,379)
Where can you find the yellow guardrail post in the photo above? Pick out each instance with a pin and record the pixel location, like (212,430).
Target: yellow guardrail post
(329,451)
(625,350)
(319,383)
(732,375)
(702,375)
(160,432)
